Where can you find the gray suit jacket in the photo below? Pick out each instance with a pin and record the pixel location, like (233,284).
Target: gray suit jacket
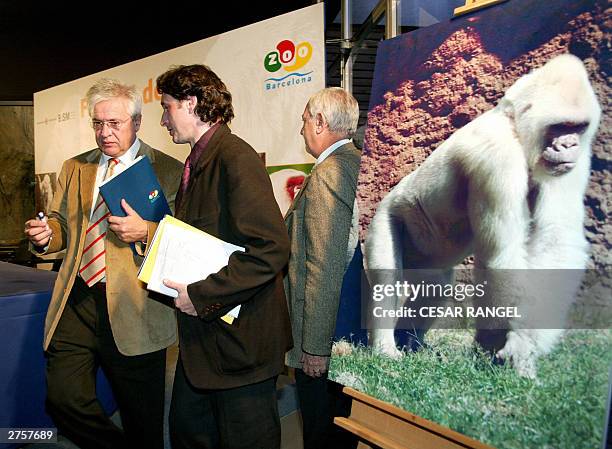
(319,221)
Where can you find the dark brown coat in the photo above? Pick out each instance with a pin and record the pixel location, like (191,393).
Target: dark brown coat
(230,196)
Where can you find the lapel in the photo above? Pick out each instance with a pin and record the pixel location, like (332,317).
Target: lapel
(89,170)
(87,181)
(146,150)
(207,155)
(210,151)
(299,195)
(338,151)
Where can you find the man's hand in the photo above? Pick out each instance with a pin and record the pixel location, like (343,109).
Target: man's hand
(183,301)
(38,232)
(314,365)
(129,229)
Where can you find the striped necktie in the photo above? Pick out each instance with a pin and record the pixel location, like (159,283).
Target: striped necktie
(93,264)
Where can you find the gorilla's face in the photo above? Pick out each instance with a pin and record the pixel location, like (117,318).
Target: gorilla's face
(562,148)
(555,114)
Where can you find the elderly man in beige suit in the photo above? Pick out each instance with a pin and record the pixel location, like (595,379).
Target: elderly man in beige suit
(100,314)
(319,222)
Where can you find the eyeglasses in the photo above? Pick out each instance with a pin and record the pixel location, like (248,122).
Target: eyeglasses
(98,125)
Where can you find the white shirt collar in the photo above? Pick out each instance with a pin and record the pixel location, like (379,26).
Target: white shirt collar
(330,150)
(127,157)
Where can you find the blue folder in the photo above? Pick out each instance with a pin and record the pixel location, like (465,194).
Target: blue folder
(139,186)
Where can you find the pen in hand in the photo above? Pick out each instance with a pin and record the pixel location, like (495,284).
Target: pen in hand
(37,230)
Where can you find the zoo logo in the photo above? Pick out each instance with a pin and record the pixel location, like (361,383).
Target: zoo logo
(289,57)
(153,195)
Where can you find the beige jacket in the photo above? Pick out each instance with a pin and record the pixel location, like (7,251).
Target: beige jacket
(140,324)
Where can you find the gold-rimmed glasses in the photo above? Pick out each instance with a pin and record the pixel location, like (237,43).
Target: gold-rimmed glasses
(116,125)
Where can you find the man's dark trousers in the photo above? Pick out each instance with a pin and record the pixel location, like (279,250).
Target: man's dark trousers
(82,342)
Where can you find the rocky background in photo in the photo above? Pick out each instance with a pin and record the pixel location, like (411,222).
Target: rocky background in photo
(461,80)
(423,101)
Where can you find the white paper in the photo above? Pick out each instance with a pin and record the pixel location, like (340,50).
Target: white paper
(186,256)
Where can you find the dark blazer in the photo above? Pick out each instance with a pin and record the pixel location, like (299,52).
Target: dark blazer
(230,196)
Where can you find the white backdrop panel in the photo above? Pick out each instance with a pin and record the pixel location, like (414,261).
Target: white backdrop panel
(268,118)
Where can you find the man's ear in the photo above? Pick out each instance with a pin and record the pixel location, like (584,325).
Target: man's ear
(192,102)
(137,119)
(320,123)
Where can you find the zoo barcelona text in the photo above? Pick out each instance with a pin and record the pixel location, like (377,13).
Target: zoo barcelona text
(290,58)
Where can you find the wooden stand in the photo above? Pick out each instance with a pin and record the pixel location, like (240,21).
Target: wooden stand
(473,5)
(386,426)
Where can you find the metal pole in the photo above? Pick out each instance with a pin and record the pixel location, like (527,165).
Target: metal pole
(346,67)
(392,23)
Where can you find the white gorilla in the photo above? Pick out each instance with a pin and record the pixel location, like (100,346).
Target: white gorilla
(508,188)
(46,192)
(286,183)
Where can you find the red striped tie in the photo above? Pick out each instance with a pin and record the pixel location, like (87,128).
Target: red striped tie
(93,264)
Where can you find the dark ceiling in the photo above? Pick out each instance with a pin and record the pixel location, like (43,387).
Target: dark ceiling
(46,43)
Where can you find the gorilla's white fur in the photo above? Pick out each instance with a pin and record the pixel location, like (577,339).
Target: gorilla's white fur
(508,188)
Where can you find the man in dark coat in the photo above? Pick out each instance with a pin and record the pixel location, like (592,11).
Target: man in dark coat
(224,391)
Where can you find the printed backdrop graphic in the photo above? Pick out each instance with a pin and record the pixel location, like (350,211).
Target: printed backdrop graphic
(287,181)
(271,69)
(428,84)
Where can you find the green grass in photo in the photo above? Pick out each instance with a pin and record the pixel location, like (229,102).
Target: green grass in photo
(452,384)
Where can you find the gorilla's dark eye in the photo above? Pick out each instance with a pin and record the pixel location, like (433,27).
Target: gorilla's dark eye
(568,128)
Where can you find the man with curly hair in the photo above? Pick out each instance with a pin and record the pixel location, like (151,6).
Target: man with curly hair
(224,393)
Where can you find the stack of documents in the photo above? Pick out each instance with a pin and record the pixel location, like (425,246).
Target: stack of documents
(181,253)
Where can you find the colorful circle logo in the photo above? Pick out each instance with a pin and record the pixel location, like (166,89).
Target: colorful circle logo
(288,56)
(153,194)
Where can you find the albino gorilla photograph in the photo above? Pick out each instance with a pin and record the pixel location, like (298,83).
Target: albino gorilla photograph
(487,152)
(507,188)
(45,188)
